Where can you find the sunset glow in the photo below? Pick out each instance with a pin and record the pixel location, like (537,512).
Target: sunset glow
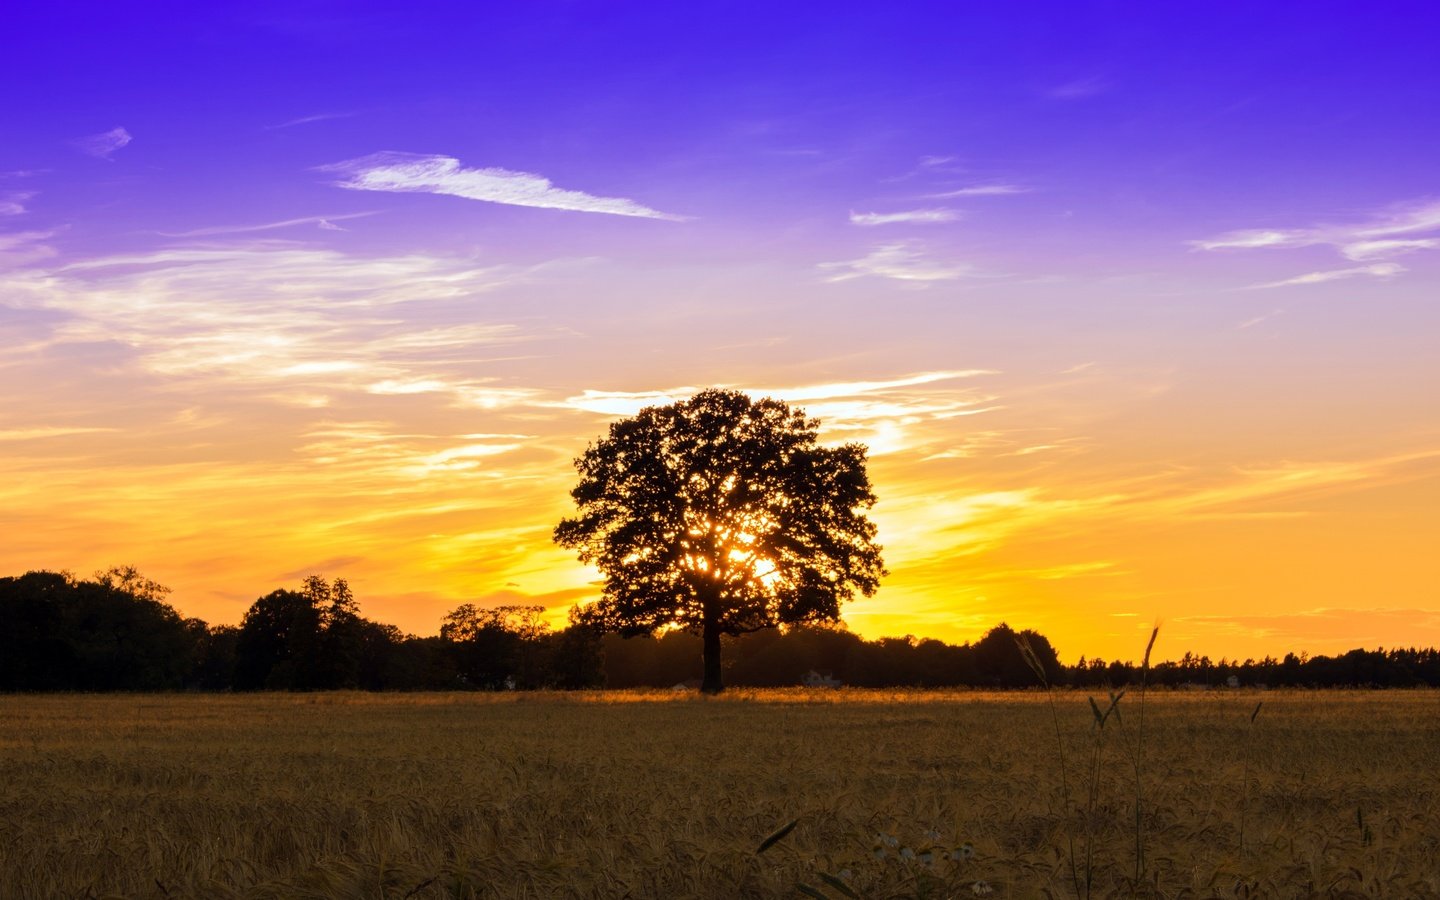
(1137,315)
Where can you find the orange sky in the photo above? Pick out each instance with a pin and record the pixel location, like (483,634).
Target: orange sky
(1135,308)
(220,420)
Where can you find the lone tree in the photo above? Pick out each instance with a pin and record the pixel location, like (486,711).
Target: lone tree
(721,515)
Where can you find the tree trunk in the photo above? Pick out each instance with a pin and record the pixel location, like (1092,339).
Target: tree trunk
(712,683)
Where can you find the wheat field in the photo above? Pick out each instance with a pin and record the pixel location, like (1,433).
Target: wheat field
(621,794)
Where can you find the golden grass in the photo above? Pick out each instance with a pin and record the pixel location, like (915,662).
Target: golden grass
(665,795)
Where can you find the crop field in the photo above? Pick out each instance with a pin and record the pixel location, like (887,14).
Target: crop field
(894,794)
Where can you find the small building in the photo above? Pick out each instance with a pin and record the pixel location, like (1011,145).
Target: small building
(816,679)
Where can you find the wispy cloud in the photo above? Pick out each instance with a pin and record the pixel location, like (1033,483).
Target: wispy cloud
(1378,270)
(13,203)
(1366,627)
(19,248)
(1079,89)
(1256,320)
(325,223)
(981,190)
(284,324)
(103,144)
(900,261)
(886,415)
(1362,250)
(42,432)
(306,120)
(912,216)
(417,173)
(1392,232)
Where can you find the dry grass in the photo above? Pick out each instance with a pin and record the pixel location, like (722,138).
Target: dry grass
(658,795)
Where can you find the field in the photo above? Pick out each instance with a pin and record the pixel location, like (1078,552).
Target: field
(670,795)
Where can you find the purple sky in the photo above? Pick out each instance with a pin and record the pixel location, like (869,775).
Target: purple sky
(1071,271)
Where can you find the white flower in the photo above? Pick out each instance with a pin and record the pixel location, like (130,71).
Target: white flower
(932,836)
(981,888)
(907,853)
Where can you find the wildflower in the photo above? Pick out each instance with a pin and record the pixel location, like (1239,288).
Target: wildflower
(981,888)
(844,874)
(927,856)
(907,853)
(932,836)
(889,840)
(963,852)
(878,852)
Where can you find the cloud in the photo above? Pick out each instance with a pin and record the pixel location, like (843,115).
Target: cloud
(1079,89)
(20,248)
(42,432)
(901,261)
(1378,238)
(321,567)
(416,173)
(914,216)
(13,203)
(1256,320)
(325,223)
(1378,270)
(883,415)
(284,324)
(1364,627)
(306,120)
(103,144)
(1362,250)
(982,190)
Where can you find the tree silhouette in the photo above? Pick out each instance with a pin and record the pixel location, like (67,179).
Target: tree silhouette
(721,515)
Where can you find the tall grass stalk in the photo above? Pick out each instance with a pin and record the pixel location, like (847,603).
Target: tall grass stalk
(1140,761)
(1096,767)
(1031,660)
(1245,788)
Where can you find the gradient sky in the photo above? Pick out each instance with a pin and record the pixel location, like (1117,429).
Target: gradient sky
(1134,304)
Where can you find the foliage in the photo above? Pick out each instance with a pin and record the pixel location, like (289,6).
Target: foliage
(111,632)
(721,515)
(116,632)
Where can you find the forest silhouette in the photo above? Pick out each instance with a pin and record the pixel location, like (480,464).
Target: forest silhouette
(115,631)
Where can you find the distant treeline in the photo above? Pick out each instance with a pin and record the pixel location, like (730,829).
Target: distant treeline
(115,632)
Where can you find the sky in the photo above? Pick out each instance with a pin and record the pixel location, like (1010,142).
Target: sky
(1135,305)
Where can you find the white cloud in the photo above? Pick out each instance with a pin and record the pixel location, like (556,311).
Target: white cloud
(1375,239)
(325,223)
(286,324)
(1378,270)
(900,261)
(1256,320)
(982,190)
(853,388)
(1079,89)
(306,120)
(886,416)
(42,432)
(19,248)
(1252,239)
(913,216)
(417,173)
(13,204)
(1361,250)
(103,144)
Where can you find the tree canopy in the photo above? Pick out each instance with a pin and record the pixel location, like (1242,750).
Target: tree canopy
(722,515)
